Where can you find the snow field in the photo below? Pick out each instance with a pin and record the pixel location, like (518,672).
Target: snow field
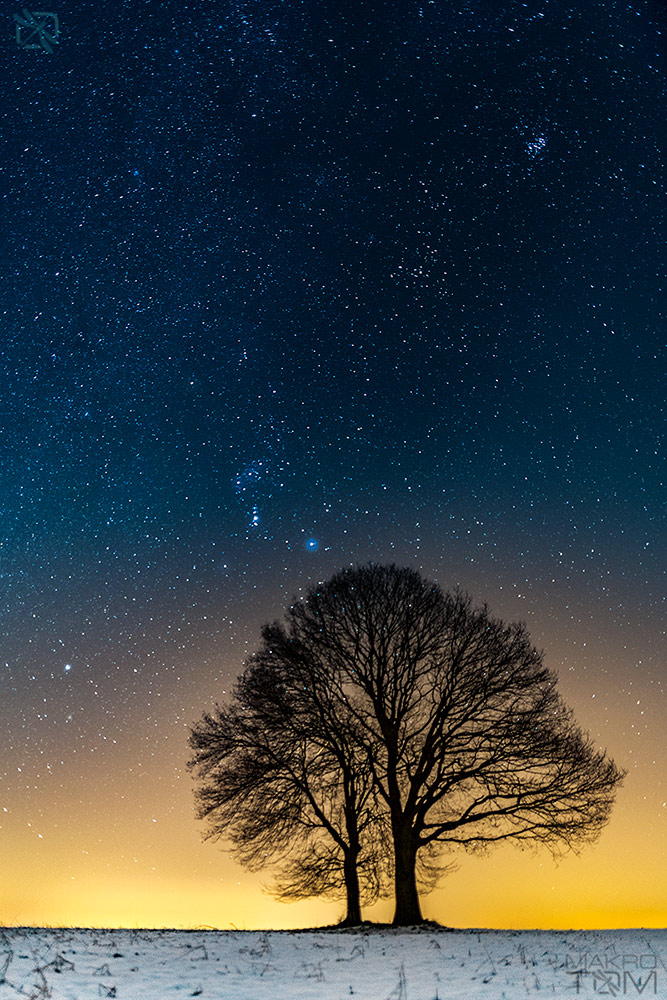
(370,964)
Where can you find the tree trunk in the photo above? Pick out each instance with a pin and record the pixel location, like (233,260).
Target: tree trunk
(353,915)
(408,910)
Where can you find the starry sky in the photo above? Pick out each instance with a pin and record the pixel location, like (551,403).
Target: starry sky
(290,286)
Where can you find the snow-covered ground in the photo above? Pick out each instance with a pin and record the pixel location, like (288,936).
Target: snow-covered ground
(423,964)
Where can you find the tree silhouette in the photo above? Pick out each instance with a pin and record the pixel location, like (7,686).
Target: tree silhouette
(462,728)
(442,720)
(280,776)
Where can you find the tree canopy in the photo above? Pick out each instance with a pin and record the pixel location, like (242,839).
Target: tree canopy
(383,724)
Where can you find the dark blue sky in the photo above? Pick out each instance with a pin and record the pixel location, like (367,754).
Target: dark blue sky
(389,279)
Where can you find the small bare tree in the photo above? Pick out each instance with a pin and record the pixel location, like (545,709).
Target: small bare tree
(280,776)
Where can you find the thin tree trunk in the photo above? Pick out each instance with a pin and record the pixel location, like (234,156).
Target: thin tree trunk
(353,915)
(408,910)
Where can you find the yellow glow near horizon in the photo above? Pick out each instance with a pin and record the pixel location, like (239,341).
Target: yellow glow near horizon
(619,882)
(119,846)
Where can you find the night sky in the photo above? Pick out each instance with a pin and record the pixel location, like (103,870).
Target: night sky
(287,287)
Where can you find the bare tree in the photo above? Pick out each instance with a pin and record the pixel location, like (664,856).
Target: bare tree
(280,776)
(455,717)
